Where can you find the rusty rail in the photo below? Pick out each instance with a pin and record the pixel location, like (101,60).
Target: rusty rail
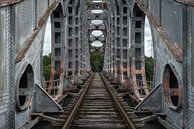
(121,110)
(77,105)
(118,105)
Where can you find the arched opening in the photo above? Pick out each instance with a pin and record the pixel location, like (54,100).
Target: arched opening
(171,86)
(97,11)
(97,33)
(96,22)
(25,88)
(97,44)
(97,1)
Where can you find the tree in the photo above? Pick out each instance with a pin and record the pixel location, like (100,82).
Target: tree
(149,68)
(47,66)
(96,59)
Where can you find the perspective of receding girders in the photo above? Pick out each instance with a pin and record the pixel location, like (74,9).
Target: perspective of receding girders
(77,98)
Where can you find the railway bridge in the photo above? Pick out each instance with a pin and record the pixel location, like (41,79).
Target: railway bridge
(75,97)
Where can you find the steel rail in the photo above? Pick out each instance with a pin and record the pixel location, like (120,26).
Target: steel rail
(77,105)
(118,105)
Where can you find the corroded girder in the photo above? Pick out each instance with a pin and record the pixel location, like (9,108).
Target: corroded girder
(190,2)
(9,2)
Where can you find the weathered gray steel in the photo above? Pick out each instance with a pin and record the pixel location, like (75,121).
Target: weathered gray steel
(18,22)
(22,28)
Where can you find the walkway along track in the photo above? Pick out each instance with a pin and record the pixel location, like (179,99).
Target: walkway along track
(98,107)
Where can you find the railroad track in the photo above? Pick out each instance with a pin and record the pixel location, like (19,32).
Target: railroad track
(100,107)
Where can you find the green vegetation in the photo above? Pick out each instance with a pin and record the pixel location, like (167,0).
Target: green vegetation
(96,59)
(149,68)
(47,66)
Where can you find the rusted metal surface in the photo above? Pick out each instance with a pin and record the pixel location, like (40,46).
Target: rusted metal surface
(28,42)
(76,107)
(9,2)
(189,2)
(119,106)
(100,113)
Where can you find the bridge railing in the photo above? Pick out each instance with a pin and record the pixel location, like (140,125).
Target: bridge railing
(142,85)
(52,87)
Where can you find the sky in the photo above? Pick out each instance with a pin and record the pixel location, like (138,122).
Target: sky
(148,39)
(47,38)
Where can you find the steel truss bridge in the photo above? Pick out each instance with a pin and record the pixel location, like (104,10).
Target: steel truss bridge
(28,101)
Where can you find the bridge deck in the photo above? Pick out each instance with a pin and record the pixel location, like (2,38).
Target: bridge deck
(98,109)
